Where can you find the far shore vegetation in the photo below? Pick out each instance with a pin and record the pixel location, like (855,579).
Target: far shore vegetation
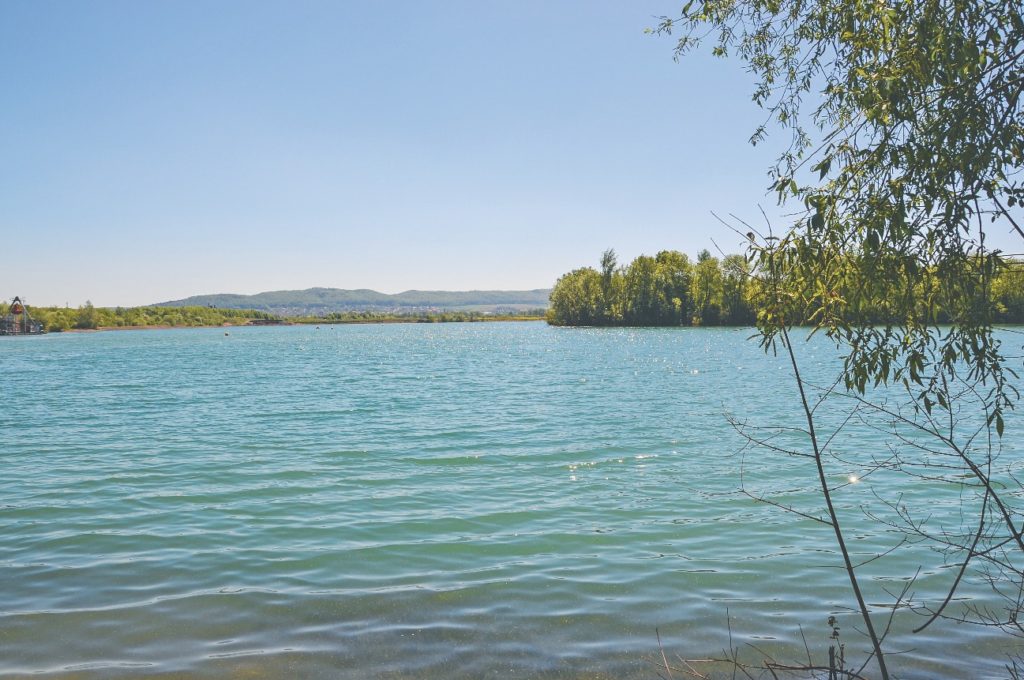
(670,289)
(89,317)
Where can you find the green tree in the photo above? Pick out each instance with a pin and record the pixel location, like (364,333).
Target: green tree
(576,299)
(913,147)
(706,290)
(610,287)
(86,317)
(643,298)
(1008,291)
(736,305)
(906,144)
(675,275)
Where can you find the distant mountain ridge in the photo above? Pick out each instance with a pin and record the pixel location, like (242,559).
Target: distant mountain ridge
(319,301)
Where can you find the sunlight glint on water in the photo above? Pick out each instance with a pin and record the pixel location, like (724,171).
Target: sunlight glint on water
(421,501)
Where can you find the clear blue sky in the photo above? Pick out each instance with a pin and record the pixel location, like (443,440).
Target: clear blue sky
(155,150)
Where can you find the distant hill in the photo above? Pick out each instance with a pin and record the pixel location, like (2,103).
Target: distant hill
(318,301)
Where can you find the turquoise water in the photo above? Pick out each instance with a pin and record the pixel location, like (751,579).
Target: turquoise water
(421,501)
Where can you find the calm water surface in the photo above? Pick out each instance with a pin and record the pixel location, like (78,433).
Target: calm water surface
(418,501)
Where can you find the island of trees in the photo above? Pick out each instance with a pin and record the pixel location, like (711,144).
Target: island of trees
(670,289)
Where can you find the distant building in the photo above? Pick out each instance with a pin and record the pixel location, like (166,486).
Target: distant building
(18,322)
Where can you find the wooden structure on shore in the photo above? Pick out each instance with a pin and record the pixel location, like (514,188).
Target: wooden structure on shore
(17,321)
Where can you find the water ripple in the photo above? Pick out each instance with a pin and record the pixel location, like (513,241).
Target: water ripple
(412,501)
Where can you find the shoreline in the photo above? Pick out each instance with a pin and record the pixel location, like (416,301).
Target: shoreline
(164,327)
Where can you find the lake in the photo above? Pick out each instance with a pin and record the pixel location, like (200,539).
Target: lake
(502,500)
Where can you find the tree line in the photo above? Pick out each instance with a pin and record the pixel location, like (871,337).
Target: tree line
(437,316)
(670,289)
(87,316)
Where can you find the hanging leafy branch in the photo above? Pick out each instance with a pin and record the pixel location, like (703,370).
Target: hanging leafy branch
(906,149)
